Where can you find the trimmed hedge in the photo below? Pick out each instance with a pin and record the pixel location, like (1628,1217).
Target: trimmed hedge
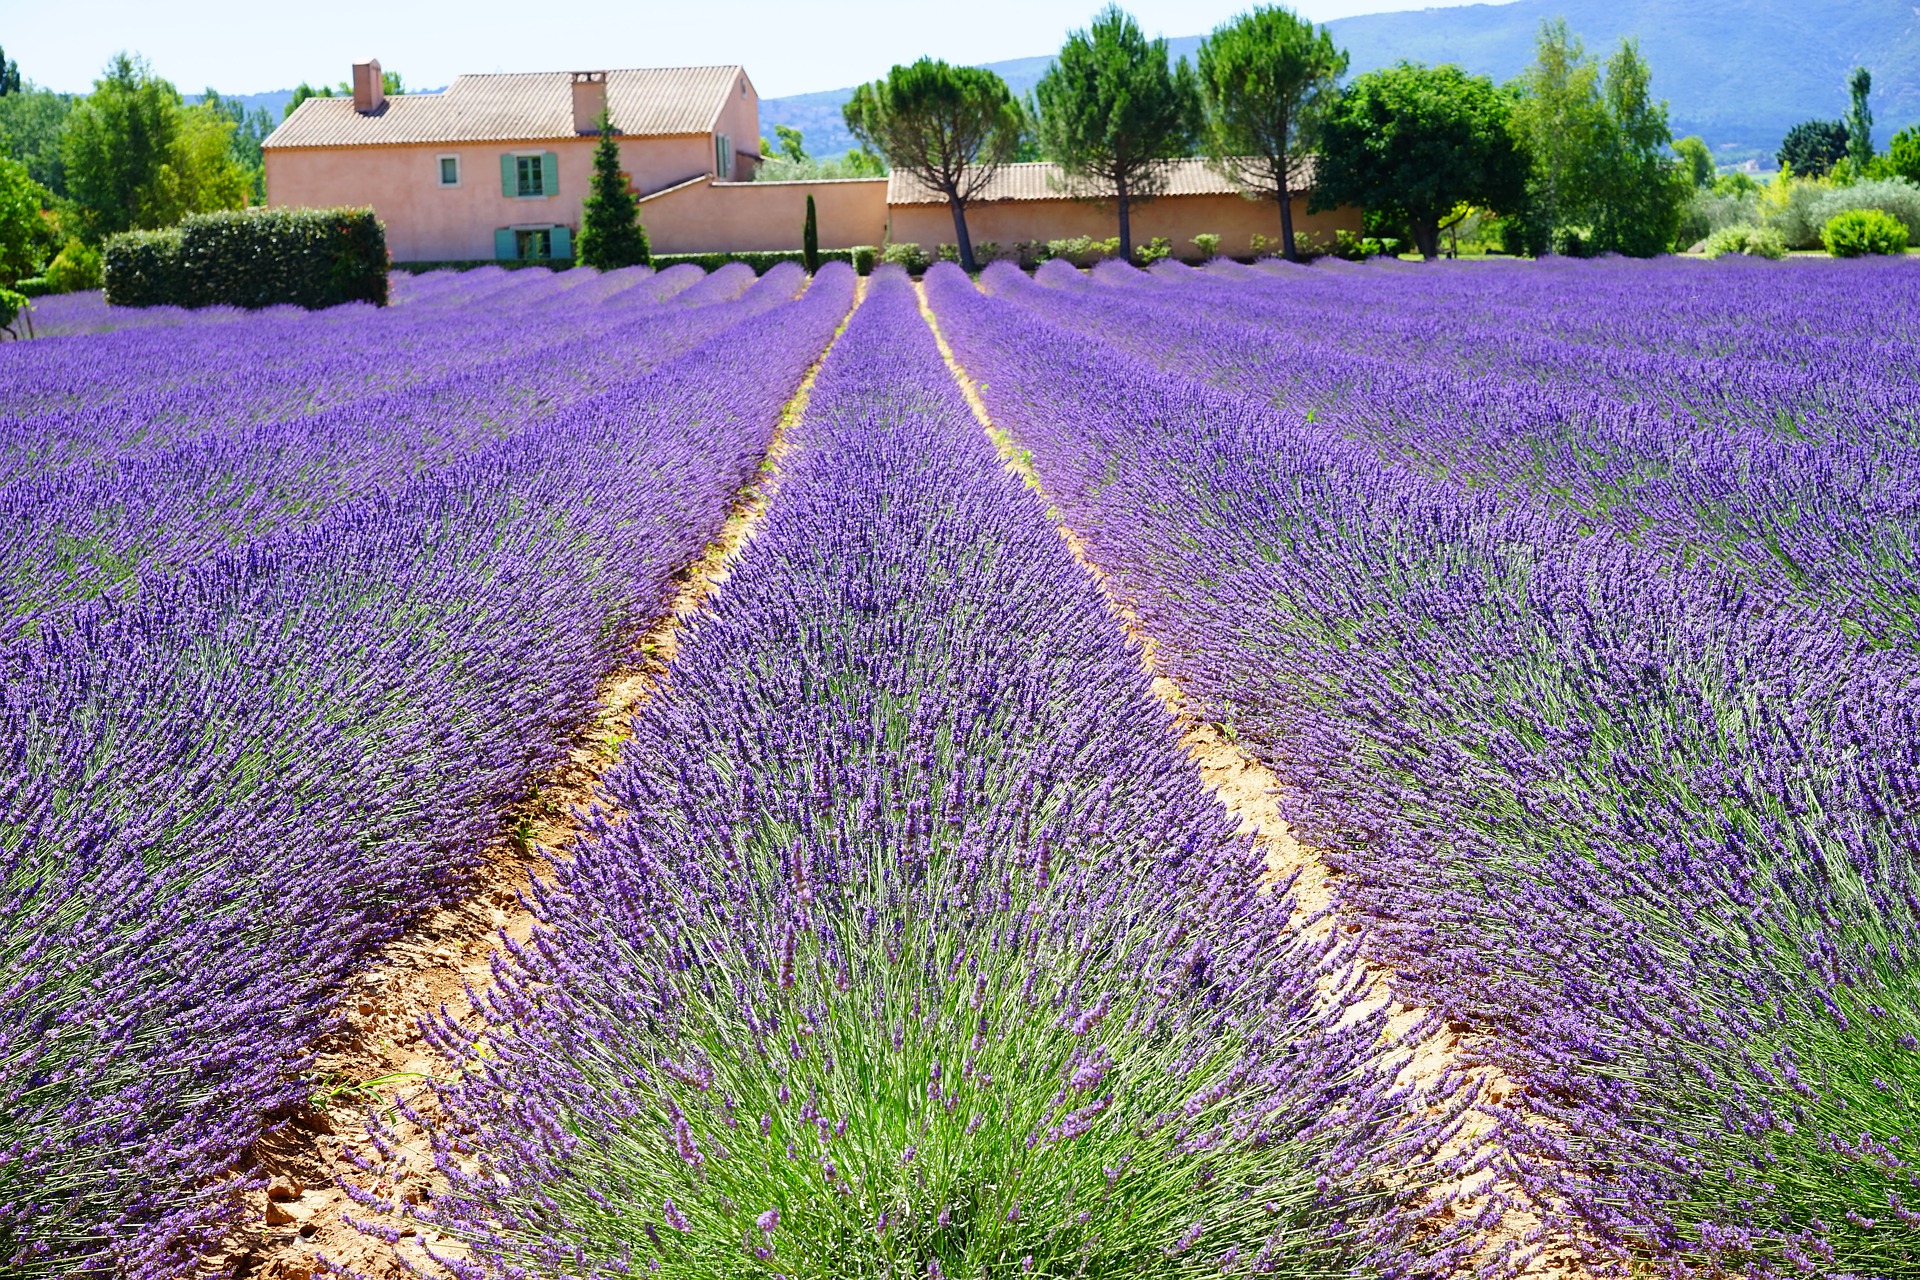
(252,258)
(762,261)
(474,264)
(860,257)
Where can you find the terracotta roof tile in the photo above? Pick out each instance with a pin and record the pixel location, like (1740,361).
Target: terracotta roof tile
(1042,180)
(525,107)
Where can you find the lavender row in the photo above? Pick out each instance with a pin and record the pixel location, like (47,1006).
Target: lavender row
(1828,510)
(234,787)
(1653,833)
(128,392)
(917,948)
(86,528)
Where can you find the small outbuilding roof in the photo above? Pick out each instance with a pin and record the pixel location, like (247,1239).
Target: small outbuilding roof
(523,107)
(1044,180)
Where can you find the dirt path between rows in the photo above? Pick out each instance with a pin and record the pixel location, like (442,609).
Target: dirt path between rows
(378,1052)
(1249,791)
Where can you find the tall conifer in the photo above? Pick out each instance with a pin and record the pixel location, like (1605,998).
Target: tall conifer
(610,231)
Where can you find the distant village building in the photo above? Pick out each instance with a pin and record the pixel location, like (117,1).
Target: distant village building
(496,167)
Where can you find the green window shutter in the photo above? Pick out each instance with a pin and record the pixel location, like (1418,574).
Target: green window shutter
(507,186)
(504,247)
(562,243)
(550,174)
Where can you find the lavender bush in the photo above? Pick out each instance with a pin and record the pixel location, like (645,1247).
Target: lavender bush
(915,947)
(236,778)
(1618,796)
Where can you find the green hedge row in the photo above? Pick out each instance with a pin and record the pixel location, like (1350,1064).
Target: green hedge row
(252,258)
(761,261)
(474,264)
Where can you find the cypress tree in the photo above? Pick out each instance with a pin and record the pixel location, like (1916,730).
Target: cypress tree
(610,231)
(810,239)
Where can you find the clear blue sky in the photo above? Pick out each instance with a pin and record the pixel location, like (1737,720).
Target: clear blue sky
(261,45)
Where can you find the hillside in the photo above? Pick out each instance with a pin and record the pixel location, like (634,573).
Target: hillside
(1737,72)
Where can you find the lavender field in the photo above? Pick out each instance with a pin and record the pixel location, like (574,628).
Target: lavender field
(1567,609)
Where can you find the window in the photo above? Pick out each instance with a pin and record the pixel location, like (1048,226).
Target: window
(529,181)
(536,243)
(449,171)
(722,156)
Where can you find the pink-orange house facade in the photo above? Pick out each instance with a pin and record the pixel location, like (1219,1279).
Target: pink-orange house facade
(496,166)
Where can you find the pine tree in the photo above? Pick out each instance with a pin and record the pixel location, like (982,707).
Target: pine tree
(810,239)
(610,231)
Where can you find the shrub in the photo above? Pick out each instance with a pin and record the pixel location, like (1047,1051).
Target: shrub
(1895,196)
(761,260)
(1355,248)
(1858,232)
(142,269)
(864,256)
(1208,243)
(911,256)
(252,258)
(1788,206)
(76,268)
(33,287)
(13,309)
(1153,251)
(1755,242)
(1082,251)
(986,251)
(946,253)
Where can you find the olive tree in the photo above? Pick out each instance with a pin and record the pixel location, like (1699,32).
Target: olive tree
(1266,79)
(950,127)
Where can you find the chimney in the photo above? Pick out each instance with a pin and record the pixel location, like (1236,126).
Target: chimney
(369,92)
(589,100)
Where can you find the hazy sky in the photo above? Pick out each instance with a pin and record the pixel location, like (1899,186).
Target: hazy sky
(786,47)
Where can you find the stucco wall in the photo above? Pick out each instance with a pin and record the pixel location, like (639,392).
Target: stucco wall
(428,222)
(1179,218)
(740,121)
(729,217)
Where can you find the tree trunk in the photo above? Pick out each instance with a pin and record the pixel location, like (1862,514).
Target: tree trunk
(1286,220)
(1126,225)
(1426,236)
(961,237)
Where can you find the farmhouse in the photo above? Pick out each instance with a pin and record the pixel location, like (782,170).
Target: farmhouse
(496,166)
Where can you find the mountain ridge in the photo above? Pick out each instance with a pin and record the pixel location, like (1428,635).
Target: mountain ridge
(1737,72)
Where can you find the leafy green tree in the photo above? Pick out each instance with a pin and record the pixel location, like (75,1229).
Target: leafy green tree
(1266,78)
(1113,111)
(1903,154)
(952,128)
(1812,147)
(31,122)
(250,129)
(1860,120)
(1696,160)
(610,232)
(21,200)
(303,91)
(1562,123)
(390,84)
(1640,191)
(792,146)
(9,75)
(1417,143)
